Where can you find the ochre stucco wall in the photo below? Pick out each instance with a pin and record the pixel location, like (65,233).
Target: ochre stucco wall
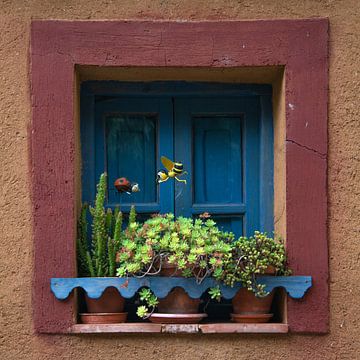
(17,340)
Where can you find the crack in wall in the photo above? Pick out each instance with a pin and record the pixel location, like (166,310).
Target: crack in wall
(320,154)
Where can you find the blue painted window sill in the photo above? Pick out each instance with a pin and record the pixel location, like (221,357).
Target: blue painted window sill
(295,286)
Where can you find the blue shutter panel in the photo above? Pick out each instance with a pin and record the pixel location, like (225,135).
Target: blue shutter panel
(219,140)
(217,169)
(130,135)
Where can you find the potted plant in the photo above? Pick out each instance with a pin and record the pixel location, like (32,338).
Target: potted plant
(97,256)
(251,257)
(182,247)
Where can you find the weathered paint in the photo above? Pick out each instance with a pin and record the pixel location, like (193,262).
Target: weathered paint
(57,46)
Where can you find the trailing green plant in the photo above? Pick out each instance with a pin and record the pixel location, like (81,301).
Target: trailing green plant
(150,301)
(97,258)
(253,256)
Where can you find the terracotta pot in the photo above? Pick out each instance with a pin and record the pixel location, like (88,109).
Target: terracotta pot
(103,318)
(178,302)
(251,318)
(168,269)
(270,270)
(158,318)
(110,302)
(171,270)
(245,302)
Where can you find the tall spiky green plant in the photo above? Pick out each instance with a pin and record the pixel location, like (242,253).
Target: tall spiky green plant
(132,215)
(114,244)
(118,216)
(84,258)
(99,234)
(98,258)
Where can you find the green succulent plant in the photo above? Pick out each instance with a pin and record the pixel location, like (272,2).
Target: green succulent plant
(150,301)
(252,257)
(196,248)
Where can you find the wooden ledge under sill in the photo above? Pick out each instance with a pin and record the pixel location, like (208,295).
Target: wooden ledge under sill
(215,328)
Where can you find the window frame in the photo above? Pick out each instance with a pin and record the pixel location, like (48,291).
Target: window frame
(301,46)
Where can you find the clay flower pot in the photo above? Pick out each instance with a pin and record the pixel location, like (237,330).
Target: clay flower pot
(177,306)
(248,308)
(270,270)
(170,270)
(110,302)
(245,302)
(178,302)
(108,309)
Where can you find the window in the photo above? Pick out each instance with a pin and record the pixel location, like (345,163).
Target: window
(290,54)
(224,139)
(222,133)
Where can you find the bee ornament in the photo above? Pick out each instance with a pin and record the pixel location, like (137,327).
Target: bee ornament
(173,170)
(123,185)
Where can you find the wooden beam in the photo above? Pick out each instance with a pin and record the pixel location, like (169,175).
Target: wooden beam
(115,328)
(180,328)
(244,328)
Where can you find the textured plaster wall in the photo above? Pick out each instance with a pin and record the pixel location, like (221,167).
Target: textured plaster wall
(16,338)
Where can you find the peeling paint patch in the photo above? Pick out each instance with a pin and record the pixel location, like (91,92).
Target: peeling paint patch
(180,328)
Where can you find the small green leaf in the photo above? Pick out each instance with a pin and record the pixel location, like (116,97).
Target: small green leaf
(142,312)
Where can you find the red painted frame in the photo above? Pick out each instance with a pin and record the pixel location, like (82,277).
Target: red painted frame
(56,46)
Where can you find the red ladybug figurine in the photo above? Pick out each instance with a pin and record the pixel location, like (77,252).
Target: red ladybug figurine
(123,185)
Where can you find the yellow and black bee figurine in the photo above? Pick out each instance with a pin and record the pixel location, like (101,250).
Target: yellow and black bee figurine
(173,170)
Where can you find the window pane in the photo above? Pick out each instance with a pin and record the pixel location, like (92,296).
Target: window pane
(131,153)
(217,160)
(229,223)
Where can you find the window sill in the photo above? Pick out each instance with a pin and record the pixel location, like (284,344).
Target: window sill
(224,328)
(295,286)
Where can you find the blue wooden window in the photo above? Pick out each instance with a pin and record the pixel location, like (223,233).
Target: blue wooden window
(222,134)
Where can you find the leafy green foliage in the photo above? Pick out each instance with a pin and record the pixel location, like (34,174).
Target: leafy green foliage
(142,312)
(252,257)
(98,258)
(196,247)
(215,293)
(150,300)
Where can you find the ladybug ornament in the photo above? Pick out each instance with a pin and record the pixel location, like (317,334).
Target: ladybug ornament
(123,185)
